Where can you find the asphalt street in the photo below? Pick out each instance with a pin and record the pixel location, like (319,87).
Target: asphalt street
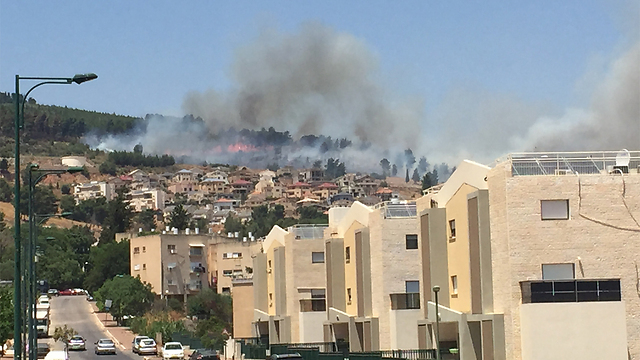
(75,311)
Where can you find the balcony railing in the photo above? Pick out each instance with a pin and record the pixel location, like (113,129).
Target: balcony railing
(550,291)
(405,301)
(303,232)
(394,211)
(308,305)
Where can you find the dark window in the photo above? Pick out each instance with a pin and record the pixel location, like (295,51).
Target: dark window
(317,257)
(412,241)
(347,254)
(452,228)
(554,209)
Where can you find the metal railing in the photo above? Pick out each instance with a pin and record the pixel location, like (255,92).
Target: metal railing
(563,163)
(397,210)
(412,354)
(583,290)
(405,301)
(309,231)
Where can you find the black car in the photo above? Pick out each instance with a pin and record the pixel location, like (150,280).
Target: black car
(204,354)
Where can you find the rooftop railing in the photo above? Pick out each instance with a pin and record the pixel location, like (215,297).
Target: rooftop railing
(398,210)
(308,231)
(565,163)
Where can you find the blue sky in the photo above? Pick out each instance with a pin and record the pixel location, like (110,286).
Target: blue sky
(149,55)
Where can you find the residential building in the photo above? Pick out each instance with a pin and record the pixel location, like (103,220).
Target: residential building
(298,190)
(326,190)
(147,199)
(240,187)
(175,264)
(373,276)
(182,186)
(565,238)
(213,185)
(231,259)
(93,190)
(455,247)
(289,285)
(184,175)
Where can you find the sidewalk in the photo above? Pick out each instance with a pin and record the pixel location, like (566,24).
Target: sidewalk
(121,335)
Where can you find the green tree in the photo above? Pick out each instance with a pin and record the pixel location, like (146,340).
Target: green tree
(415,177)
(106,261)
(386,167)
(129,296)
(406,178)
(65,189)
(44,201)
(67,203)
(64,334)
(6,192)
(146,219)
(179,218)
(108,167)
(215,317)
(119,216)
(6,314)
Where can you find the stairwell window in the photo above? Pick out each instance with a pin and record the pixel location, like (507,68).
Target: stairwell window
(348,295)
(317,257)
(347,254)
(411,241)
(454,284)
(554,209)
(452,228)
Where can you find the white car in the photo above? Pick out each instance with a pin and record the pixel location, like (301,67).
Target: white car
(172,350)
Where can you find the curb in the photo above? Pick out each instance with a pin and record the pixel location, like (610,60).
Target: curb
(95,315)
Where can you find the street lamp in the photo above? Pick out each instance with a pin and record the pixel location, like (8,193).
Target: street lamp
(18,266)
(436,289)
(35,176)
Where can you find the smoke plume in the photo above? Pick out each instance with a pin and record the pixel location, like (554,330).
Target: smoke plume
(316,81)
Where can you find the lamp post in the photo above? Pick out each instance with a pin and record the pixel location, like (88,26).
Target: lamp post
(35,176)
(436,289)
(18,265)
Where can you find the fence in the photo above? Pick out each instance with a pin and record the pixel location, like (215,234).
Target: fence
(186,339)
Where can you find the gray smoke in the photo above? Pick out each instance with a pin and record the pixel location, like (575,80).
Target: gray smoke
(315,81)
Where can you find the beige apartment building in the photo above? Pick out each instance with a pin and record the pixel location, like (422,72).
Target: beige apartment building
(182,263)
(455,245)
(289,285)
(373,277)
(565,231)
(92,190)
(147,199)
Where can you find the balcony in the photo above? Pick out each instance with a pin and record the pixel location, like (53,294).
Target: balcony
(307,305)
(583,290)
(405,301)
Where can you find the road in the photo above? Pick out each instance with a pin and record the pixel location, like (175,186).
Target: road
(75,311)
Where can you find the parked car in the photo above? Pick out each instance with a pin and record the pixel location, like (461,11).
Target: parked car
(172,350)
(147,347)
(204,354)
(136,342)
(89,297)
(292,356)
(53,292)
(105,346)
(66,292)
(77,342)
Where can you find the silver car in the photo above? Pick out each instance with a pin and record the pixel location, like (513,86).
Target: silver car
(77,342)
(105,346)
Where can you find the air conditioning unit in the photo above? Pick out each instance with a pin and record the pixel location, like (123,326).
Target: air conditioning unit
(563,172)
(172,251)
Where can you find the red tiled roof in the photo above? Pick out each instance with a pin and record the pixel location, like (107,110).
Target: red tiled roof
(328,186)
(384,191)
(241,182)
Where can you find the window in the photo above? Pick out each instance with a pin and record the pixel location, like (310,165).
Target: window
(171,248)
(195,251)
(318,293)
(144,266)
(558,271)
(226,290)
(412,286)
(411,241)
(349,296)
(236,255)
(227,272)
(554,209)
(136,267)
(454,284)
(347,254)
(136,250)
(317,257)
(452,228)
(144,249)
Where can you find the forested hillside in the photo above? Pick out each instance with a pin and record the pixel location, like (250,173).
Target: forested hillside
(45,126)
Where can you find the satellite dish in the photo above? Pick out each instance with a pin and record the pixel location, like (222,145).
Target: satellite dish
(623,158)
